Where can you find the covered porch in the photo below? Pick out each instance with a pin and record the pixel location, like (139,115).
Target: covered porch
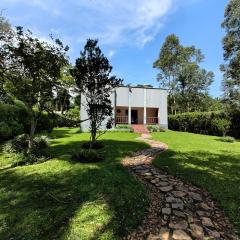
(136,115)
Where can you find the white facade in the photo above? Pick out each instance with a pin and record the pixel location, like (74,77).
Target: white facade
(135,105)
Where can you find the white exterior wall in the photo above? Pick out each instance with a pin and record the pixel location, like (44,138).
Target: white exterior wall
(135,98)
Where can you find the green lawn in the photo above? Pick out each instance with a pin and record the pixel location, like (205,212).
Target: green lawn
(206,162)
(60,199)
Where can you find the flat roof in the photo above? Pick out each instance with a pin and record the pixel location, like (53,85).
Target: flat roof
(144,87)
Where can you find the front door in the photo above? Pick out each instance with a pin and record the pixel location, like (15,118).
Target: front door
(134,116)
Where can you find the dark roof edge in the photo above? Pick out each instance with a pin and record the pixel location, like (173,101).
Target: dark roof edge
(144,87)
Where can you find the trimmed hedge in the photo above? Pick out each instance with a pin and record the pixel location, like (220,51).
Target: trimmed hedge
(209,123)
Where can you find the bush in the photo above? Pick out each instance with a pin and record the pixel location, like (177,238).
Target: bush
(95,145)
(123,126)
(5,131)
(228,139)
(15,120)
(155,128)
(64,121)
(20,145)
(200,122)
(87,156)
(235,123)
(221,126)
(20,159)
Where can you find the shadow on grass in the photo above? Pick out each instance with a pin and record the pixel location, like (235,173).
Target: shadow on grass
(62,133)
(217,173)
(43,201)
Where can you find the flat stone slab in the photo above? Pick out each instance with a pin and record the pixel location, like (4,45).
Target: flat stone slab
(166,189)
(180,235)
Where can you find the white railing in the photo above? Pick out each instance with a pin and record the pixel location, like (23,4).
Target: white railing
(122,119)
(152,120)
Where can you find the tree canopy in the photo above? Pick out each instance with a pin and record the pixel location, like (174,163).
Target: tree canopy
(180,72)
(92,73)
(32,70)
(231,46)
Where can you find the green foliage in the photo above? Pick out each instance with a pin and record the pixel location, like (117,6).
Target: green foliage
(123,126)
(231,43)
(5,131)
(32,69)
(15,120)
(20,145)
(155,128)
(228,139)
(87,156)
(221,126)
(92,73)
(210,123)
(180,72)
(234,115)
(66,121)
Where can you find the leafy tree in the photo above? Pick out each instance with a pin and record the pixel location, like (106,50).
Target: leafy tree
(92,73)
(231,46)
(5,35)
(181,74)
(193,85)
(62,100)
(32,72)
(168,64)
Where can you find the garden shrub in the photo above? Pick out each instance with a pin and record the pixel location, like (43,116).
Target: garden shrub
(155,128)
(227,139)
(15,120)
(123,126)
(87,156)
(20,145)
(5,131)
(235,123)
(64,121)
(221,126)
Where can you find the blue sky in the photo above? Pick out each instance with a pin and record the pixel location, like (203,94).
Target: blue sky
(130,32)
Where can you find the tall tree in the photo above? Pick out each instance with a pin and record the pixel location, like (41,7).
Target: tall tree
(62,100)
(92,73)
(32,72)
(168,64)
(193,86)
(181,74)
(231,46)
(5,36)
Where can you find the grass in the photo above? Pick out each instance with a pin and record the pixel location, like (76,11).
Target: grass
(207,162)
(60,199)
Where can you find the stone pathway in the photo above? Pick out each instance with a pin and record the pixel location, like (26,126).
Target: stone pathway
(177,210)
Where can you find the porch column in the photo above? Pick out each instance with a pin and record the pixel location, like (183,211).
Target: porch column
(158,116)
(129,107)
(144,106)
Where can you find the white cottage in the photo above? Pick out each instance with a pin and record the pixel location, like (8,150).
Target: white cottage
(135,105)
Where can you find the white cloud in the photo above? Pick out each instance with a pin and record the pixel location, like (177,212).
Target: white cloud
(119,22)
(133,22)
(111,53)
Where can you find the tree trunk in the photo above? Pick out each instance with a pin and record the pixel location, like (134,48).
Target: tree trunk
(31,135)
(80,98)
(174,104)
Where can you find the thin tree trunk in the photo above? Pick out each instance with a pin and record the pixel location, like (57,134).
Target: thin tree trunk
(31,136)
(174,104)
